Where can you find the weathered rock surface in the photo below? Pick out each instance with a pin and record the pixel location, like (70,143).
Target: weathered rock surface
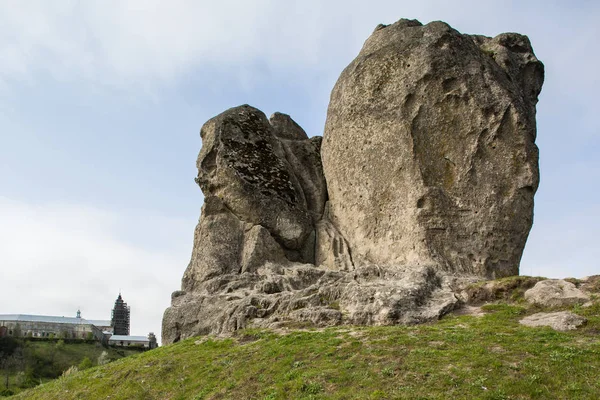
(555,293)
(560,321)
(429,150)
(294,294)
(427,181)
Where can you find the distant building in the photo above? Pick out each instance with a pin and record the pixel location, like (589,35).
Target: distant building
(45,326)
(126,341)
(114,332)
(120,317)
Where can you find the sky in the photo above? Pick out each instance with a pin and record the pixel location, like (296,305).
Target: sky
(101,103)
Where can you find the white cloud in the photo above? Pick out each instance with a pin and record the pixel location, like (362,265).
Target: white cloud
(148,43)
(145,43)
(120,43)
(56,258)
(124,42)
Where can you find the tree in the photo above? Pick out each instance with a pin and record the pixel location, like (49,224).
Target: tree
(17,331)
(10,363)
(4,365)
(8,345)
(26,378)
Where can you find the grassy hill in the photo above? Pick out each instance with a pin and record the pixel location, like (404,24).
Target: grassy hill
(460,357)
(35,361)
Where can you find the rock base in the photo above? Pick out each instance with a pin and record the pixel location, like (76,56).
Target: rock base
(302,295)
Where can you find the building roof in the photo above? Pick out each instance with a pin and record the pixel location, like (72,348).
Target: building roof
(99,322)
(51,319)
(124,338)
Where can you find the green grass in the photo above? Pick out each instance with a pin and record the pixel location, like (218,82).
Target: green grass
(44,360)
(459,357)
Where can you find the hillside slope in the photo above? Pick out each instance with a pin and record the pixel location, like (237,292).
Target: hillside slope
(27,362)
(489,356)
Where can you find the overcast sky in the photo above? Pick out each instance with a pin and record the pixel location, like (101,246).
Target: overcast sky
(101,103)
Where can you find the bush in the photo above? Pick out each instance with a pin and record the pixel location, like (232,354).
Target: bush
(85,364)
(26,379)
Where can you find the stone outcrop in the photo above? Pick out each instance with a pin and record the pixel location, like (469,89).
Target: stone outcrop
(555,293)
(560,321)
(429,149)
(424,181)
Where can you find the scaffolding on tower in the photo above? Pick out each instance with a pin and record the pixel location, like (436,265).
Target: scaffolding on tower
(120,317)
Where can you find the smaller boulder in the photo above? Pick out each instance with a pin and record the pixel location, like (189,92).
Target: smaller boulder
(560,321)
(555,293)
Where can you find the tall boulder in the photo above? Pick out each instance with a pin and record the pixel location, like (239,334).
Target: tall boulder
(429,149)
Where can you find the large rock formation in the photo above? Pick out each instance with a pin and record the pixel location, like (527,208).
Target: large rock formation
(429,149)
(431,168)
